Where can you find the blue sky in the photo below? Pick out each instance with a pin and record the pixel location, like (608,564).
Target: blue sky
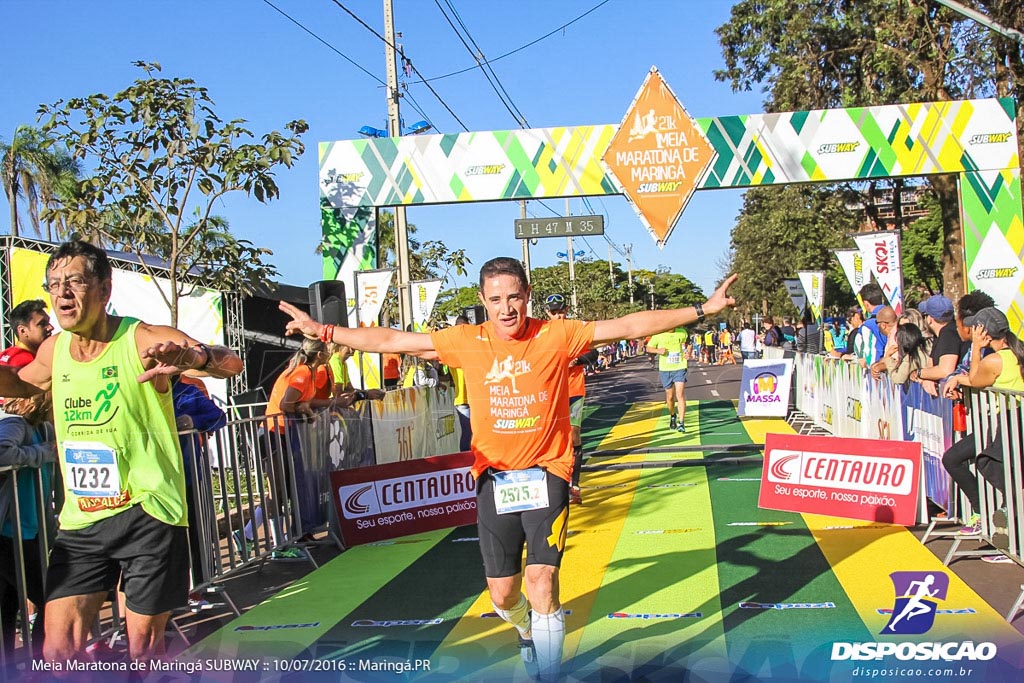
(260,66)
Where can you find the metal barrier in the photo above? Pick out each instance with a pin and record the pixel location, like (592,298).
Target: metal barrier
(26,557)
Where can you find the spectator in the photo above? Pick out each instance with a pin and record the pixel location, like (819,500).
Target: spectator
(27,441)
(855,319)
(461,399)
(910,351)
(788,334)
(748,342)
(31,325)
(884,322)
(1002,369)
(968,305)
(392,369)
(870,343)
(725,354)
(809,338)
(948,347)
(772,337)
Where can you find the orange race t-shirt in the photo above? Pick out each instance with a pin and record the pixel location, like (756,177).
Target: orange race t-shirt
(577,381)
(518,391)
(301,379)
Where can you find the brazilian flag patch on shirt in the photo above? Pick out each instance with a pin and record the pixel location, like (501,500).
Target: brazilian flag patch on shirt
(108,372)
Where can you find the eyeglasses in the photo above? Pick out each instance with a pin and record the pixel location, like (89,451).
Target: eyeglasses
(555,301)
(77,283)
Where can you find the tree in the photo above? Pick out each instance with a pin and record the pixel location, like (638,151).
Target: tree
(781,230)
(808,54)
(163,159)
(32,170)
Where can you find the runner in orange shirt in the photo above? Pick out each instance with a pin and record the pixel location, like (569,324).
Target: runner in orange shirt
(517,378)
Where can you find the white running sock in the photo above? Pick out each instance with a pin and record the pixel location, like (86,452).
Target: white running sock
(518,616)
(548,638)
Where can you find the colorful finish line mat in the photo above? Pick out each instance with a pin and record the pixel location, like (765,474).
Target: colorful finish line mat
(671,573)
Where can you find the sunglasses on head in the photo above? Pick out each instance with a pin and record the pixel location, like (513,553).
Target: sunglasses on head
(555,301)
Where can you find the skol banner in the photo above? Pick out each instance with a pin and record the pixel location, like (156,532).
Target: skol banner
(881,253)
(424,295)
(764,388)
(796,293)
(813,284)
(866,479)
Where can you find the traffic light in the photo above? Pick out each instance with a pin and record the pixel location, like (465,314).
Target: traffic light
(327,302)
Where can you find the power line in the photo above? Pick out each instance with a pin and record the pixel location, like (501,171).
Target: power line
(505,98)
(406,61)
(328,45)
(523,47)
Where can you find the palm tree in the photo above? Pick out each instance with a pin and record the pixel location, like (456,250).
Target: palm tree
(30,169)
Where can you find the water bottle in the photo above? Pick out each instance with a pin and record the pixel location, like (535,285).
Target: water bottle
(959,415)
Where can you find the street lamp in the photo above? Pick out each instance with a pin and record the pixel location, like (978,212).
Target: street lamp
(565,254)
(415,129)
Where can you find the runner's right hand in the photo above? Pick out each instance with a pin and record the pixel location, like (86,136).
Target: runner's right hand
(301,322)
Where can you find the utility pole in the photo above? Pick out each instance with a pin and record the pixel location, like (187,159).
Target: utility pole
(629,262)
(611,272)
(572,265)
(395,128)
(526,258)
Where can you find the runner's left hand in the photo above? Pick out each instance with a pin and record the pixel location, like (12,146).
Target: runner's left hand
(171,359)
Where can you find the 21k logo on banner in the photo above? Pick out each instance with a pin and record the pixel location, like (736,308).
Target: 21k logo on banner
(918,595)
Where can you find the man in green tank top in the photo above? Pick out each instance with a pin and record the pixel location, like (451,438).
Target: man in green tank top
(124,513)
(671,348)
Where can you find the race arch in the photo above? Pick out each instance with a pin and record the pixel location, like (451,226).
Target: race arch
(975,139)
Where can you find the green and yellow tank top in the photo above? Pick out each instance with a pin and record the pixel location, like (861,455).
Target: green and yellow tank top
(118,445)
(1009,378)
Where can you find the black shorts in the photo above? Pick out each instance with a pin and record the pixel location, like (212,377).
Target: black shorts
(502,536)
(151,558)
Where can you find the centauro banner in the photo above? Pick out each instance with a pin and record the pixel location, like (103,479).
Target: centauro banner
(881,253)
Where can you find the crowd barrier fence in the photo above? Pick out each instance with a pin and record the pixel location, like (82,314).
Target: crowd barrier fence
(258,488)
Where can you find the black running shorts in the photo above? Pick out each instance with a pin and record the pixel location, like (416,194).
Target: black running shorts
(151,558)
(502,536)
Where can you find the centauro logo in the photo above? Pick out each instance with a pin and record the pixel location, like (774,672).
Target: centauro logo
(993,273)
(487,169)
(655,188)
(990,138)
(838,147)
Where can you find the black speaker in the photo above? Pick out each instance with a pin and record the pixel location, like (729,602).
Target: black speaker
(476,315)
(327,302)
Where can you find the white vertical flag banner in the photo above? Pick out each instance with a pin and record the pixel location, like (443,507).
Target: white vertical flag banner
(796,294)
(813,283)
(881,252)
(852,262)
(371,288)
(424,295)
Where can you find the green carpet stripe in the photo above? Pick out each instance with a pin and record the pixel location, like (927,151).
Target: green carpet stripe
(663,565)
(322,598)
(769,565)
(440,584)
(598,420)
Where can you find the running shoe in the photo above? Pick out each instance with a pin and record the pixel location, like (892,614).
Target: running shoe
(681,429)
(996,559)
(972,527)
(672,422)
(529,654)
(575,495)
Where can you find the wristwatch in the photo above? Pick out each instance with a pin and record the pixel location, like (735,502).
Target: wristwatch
(700,311)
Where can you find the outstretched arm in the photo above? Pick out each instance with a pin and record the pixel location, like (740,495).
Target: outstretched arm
(168,351)
(372,339)
(643,323)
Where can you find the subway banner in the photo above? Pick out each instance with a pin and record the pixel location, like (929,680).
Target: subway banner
(764,388)
(866,479)
(813,283)
(409,424)
(399,499)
